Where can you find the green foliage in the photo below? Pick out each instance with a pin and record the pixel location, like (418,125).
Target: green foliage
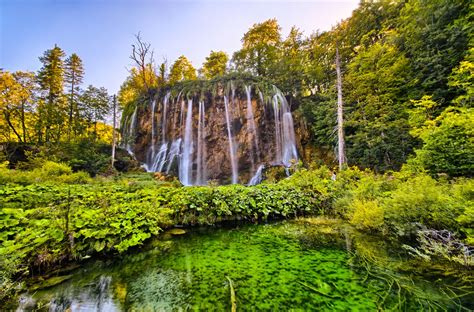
(434,36)
(404,203)
(182,69)
(51,81)
(377,130)
(215,64)
(367,214)
(48,171)
(84,155)
(51,169)
(50,106)
(73,76)
(448,143)
(425,201)
(462,78)
(16,99)
(43,223)
(259,48)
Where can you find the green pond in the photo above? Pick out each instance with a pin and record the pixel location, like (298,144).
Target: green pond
(304,265)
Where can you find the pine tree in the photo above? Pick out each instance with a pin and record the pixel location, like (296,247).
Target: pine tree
(73,75)
(51,81)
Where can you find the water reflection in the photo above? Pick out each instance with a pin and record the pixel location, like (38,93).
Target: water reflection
(301,265)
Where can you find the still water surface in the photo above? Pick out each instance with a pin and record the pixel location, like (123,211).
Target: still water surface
(273,267)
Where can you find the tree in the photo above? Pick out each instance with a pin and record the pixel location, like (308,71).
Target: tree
(319,69)
(27,96)
(51,81)
(162,76)
(9,92)
(142,55)
(377,130)
(182,69)
(95,105)
(259,50)
(114,126)
(17,93)
(73,75)
(289,70)
(434,36)
(449,143)
(462,79)
(215,64)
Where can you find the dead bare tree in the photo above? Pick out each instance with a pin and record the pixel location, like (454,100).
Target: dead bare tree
(114,125)
(142,55)
(340,111)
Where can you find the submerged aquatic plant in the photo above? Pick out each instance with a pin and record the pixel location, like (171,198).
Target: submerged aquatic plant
(442,244)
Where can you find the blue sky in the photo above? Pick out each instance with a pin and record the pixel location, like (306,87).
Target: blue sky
(101,32)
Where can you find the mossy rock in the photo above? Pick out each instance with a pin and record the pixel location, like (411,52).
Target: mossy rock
(176,231)
(50,282)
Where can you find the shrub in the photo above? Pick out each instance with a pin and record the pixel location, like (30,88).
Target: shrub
(422,200)
(449,145)
(463,190)
(54,169)
(79,177)
(367,215)
(49,171)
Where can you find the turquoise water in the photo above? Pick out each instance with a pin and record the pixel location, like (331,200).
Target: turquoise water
(275,267)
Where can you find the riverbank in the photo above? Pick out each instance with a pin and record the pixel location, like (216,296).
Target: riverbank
(306,263)
(51,223)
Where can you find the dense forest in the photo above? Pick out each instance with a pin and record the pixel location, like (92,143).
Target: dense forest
(407,70)
(407,81)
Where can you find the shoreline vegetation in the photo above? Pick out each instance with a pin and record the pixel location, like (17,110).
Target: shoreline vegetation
(403,81)
(68,216)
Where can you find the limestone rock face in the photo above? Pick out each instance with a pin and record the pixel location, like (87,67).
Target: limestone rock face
(223,135)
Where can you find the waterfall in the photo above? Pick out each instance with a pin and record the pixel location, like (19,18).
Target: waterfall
(131,132)
(277,120)
(285,143)
(156,160)
(165,117)
(174,153)
(289,142)
(194,144)
(185,165)
(181,113)
(201,177)
(233,159)
(257,177)
(153,140)
(255,151)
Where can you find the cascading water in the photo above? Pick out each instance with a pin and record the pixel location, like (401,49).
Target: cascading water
(153,136)
(201,178)
(284,130)
(174,154)
(252,128)
(233,159)
(229,136)
(129,134)
(185,164)
(165,117)
(258,177)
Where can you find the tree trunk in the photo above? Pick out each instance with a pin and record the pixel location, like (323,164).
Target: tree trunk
(7,118)
(113,129)
(23,125)
(340,111)
(71,109)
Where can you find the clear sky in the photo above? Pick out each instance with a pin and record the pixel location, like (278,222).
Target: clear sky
(101,31)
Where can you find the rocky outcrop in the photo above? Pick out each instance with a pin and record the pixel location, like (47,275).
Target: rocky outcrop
(222,133)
